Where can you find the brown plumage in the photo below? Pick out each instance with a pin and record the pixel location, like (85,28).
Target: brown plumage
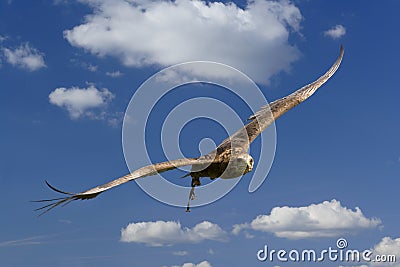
(229,160)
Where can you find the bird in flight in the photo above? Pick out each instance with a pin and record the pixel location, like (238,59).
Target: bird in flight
(229,160)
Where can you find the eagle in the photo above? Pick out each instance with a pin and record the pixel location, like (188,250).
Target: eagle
(229,160)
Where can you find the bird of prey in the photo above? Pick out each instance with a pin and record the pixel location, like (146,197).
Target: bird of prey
(229,160)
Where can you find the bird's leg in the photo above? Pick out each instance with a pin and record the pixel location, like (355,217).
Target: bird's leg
(192,196)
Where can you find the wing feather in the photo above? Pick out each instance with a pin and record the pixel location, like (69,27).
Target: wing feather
(139,173)
(270,112)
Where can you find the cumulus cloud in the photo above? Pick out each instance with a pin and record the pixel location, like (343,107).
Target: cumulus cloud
(161,233)
(25,57)
(326,219)
(387,246)
(336,32)
(81,101)
(253,39)
(201,264)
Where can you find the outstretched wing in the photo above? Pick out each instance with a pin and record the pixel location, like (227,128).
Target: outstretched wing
(139,173)
(270,112)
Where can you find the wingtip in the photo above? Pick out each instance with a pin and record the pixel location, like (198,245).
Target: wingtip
(341,50)
(57,190)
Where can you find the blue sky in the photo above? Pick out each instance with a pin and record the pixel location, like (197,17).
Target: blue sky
(68,70)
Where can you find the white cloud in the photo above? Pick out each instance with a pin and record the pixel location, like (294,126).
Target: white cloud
(326,219)
(162,233)
(253,39)
(114,74)
(248,235)
(80,101)
(387,246)
(25,57)
(201,264)
(336,32)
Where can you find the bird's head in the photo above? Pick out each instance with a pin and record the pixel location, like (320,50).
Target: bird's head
(249,161)
(245,162)
(238,166)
